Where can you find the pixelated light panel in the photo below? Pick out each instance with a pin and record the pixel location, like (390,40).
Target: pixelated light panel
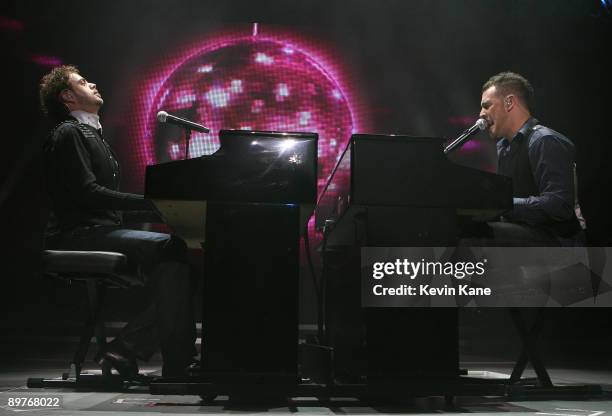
(256,80)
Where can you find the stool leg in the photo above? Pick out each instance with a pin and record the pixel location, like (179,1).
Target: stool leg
(89,328)
(519,367)
(99,292)
(100,329)
(529,351)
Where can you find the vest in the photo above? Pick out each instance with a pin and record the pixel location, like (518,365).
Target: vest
(515,164)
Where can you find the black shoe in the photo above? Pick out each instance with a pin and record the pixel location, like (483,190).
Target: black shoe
(114,356)
(194,369)
(181,370)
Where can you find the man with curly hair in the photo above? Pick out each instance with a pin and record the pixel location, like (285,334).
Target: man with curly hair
(83,178)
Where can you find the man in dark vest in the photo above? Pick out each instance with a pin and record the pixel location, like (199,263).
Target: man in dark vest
(83,177)
(540,161)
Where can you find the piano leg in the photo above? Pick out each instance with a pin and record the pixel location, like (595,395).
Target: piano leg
(250,316)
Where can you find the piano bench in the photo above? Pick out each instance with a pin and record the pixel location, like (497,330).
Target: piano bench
(98,270)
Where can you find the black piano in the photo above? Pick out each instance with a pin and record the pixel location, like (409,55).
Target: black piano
(396,191)
(246,205)
(264,168)
(411,179)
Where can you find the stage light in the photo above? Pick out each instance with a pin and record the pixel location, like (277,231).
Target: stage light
(46,61)
(8,24)
(286,145)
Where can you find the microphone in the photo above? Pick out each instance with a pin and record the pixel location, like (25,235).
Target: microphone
(480,124)
(164,117)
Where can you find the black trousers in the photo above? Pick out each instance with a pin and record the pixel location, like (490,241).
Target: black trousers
(507,234)
(168,320)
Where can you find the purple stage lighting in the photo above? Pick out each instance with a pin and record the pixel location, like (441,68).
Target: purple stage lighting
(46,61)
(248,81)
(10,25)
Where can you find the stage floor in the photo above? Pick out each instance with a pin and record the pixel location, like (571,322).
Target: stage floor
(137,400)
(45,352)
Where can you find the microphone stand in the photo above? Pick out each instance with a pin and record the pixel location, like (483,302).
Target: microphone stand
(187,138)
(481,124)
(456,143)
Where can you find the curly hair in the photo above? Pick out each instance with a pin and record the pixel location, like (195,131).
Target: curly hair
(510,82)
(51,85)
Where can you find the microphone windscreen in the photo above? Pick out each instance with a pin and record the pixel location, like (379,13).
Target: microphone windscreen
(161,116)
(481,123)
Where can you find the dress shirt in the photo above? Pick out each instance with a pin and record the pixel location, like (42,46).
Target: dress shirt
(551,158)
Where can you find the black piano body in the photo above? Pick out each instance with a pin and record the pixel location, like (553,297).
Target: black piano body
(249,166)
(391,174)
(396,191)
(246,204)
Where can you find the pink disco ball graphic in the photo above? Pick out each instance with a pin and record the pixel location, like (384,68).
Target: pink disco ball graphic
(274,82)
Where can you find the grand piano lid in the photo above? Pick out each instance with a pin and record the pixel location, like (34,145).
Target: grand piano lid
(249,141)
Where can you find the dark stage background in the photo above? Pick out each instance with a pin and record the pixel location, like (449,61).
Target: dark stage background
(413,67)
